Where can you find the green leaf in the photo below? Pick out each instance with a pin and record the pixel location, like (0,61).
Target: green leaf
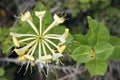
(22,27)
(115,42)
(92,24)
(103,50)
(2,71)
(80,38)
(98,32)
(5,41)
(92,40)
(58,30)
(102,33)
(81,54)
(96,67)
(71,46)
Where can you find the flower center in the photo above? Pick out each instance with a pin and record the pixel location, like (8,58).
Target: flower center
(40,38)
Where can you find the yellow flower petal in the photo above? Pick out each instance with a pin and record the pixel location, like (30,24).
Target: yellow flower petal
(61,49)
(19,52)
(66,32)
(22,58)
(16,42)
(32,63)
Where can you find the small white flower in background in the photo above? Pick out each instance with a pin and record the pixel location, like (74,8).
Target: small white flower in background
(40,41)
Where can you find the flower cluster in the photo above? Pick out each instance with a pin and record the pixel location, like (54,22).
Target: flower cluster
(41,42)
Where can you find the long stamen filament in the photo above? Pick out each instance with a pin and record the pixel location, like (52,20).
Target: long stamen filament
(16,42)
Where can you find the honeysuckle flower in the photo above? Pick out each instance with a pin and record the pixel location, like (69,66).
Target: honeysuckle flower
(22,58)
(31,58)
(39,42)
(57,21)
(61,49)
(15,41)
(62,37)
(26,16)
(26,57)
(40,14)
(56,57)
(43,60)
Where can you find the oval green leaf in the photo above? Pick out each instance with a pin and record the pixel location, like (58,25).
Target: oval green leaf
(115,42)
(96,67)
(81,54)
(103,50)
(98,32)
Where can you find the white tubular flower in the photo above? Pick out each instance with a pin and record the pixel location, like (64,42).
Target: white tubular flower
(26,16)
(56,57)
(29,57)
(61,49)
(22,51)
(26,57)
(40,63)
(20,35)
(22,58)
(57,21)
(16,42)
(40,13)
(41,42)
(46,58)
(62,39)
(43,60)
(64,36)
(66,32)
